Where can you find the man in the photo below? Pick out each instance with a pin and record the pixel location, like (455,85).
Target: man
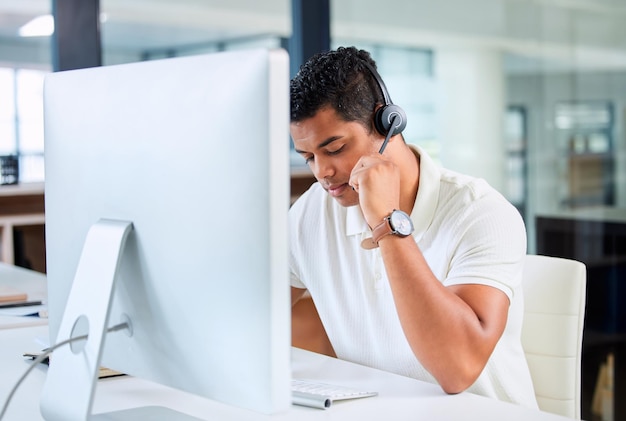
(441,302)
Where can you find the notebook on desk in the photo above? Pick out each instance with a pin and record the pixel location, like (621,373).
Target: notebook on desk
(11,295)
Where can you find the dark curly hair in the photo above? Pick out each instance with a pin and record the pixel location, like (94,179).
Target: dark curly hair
(339,79)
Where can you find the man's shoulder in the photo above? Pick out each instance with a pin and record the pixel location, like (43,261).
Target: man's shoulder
(470,201)
(315,204)
(466,187)
(312,197)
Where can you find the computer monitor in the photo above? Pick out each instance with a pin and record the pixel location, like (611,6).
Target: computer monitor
(171,179)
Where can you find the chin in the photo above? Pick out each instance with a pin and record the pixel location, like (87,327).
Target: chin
(348,201)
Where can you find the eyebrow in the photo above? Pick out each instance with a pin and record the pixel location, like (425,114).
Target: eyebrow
(324,143)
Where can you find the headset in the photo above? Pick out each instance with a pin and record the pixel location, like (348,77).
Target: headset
(385,115)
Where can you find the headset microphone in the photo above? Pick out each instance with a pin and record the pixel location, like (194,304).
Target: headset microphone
(389,119)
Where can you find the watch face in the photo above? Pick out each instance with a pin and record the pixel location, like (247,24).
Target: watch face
(401,223)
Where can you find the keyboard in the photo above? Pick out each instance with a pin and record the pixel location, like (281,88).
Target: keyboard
(321,395)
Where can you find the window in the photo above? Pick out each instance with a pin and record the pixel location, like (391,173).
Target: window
(21,120)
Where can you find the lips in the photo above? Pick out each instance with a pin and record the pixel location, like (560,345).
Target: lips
(337,189)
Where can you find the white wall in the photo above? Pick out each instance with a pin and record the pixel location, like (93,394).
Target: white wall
(471,111)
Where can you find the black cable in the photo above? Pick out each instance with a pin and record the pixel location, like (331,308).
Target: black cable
(45,355)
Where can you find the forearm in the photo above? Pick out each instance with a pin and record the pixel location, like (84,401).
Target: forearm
(445,326)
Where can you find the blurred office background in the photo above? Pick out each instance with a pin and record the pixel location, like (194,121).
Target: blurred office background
(529,94)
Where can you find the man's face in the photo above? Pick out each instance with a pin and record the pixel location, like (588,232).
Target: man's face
(331,147)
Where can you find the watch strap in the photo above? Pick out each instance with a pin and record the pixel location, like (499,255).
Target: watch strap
(379,231)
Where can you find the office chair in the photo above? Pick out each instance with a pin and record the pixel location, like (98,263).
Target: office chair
(554,299)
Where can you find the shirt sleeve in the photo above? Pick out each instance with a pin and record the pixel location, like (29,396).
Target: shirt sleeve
(491,246)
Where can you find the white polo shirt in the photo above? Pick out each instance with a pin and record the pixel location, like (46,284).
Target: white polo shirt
(468,233)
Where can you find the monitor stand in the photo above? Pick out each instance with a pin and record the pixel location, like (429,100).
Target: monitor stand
(73,373)
(152,413)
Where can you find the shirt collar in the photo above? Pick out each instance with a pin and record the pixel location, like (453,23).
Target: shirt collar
(427,193)
(355,221)
(425,202)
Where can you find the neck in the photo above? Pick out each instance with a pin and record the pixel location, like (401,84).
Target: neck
(409,172)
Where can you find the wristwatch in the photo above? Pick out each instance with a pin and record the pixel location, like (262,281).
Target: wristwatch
(396,223)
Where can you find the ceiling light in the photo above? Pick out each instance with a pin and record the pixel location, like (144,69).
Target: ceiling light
(41,26)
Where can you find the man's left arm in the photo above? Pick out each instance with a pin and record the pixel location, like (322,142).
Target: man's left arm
(452,330)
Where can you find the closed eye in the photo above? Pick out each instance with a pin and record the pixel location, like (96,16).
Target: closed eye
(335,152)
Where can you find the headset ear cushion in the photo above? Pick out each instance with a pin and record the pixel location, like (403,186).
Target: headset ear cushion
(385,114)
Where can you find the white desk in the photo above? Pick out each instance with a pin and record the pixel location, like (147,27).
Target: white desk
(400,398)
(32,283)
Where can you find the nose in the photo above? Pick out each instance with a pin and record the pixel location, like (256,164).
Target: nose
(322,168)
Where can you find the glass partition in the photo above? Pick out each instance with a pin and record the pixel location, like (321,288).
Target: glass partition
(153,29)
(530,96)
(24,60)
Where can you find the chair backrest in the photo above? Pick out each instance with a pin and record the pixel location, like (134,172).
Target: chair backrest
(554,300)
